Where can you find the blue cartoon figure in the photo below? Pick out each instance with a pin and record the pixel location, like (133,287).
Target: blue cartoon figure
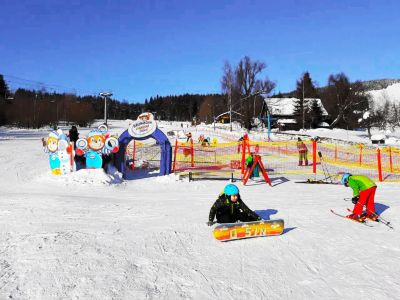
(95,146)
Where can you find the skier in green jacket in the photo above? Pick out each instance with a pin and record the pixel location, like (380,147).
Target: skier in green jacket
(363,194)
(229,208)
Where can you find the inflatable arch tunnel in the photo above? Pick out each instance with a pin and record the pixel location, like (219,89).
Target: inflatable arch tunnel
(143,129)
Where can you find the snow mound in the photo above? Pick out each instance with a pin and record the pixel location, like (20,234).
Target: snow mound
(95,177)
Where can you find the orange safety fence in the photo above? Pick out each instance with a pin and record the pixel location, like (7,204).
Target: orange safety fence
(282,157)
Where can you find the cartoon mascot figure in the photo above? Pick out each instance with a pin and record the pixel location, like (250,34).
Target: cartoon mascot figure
(97,144)
(61,153)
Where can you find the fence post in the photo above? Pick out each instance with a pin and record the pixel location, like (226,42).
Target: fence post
(361,147)
(378,153)
(314,155)
(390,159)
(192,151)
(175,150)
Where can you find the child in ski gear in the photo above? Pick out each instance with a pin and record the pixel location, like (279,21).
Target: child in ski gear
(229,208)
(249,164)
(363,194)
(302,148)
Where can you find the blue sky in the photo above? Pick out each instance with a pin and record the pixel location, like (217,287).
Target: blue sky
(139,49)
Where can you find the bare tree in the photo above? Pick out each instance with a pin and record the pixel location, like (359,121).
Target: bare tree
(243,87)
(345,99)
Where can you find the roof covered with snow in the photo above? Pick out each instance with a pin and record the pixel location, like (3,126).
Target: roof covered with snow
(285,106)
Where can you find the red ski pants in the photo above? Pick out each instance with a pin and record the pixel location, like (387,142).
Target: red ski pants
(366,198)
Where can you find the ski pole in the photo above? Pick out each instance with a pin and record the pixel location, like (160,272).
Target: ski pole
(380,218)
(325,168)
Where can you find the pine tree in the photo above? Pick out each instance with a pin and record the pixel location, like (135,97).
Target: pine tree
(315,113)
(4,91)
(305,89)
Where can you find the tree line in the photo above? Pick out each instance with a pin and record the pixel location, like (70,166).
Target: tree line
(38,108)
(242,93)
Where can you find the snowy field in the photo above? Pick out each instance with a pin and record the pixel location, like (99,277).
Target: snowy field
(91,235)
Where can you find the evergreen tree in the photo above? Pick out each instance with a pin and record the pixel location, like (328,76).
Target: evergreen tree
(4,94)
(315,113)
(4,91)
(305,89)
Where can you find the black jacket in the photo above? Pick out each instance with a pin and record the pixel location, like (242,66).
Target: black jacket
(73,135)
(224,205)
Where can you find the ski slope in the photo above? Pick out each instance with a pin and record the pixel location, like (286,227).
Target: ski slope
(91,235)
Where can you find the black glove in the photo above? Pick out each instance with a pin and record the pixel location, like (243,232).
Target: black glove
(354,200)
(210,223)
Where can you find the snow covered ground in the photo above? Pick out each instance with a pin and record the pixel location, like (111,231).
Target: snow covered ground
(92,236)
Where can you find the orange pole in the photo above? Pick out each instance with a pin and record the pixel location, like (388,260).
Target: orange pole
(314,156)
(71,156)
(361,146)
(175,150)
(390,159)
(379,164)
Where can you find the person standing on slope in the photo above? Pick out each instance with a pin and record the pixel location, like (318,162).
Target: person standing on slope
(229,208)
(302,148)
(363,194)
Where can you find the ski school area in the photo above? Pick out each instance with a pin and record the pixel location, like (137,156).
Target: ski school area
(121,213)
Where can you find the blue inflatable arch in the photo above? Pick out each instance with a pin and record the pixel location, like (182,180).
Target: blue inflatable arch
(162,140)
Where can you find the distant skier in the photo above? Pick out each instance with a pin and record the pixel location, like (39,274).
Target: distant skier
(302,148)
(229,208)
(189,137)
(363,194)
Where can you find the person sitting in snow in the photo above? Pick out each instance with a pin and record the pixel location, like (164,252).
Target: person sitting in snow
(363,194)
(229,208)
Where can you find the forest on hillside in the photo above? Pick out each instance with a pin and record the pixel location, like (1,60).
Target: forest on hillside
(242,92)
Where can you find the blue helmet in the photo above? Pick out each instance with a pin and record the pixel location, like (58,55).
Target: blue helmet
(345,178)
(231,189)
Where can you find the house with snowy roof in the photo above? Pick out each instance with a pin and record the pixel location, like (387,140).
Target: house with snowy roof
(282,112)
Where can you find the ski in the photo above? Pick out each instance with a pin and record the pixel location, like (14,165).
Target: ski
(312,181)
(379,220)
(343,216)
